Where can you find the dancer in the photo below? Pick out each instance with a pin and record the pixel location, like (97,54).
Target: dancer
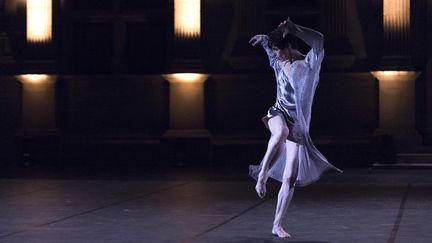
(291,157)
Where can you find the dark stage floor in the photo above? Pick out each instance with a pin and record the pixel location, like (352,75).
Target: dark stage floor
(185,205)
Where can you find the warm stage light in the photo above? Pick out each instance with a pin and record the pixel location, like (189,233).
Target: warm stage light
(186,77)
(396,16)
(393,75)
(187,18)
(39,21)
(33,78)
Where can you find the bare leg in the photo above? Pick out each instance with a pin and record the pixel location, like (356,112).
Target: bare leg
(287,189)
(279,132)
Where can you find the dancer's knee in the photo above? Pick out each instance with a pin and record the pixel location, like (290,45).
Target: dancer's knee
(280,134)
(288,182)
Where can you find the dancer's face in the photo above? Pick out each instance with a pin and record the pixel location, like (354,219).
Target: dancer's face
(282,54)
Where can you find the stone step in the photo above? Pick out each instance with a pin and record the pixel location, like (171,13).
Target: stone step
(414,158)
(403,165)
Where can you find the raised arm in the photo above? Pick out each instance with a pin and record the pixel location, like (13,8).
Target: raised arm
(311,37)
(263,40)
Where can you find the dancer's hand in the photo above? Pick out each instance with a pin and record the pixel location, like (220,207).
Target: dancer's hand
(258,39)
(287,26)
(260,187)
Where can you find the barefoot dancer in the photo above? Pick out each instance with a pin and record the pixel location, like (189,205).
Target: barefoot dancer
(291,157)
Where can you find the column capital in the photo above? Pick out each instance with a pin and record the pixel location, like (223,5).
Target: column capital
(395,75)
(37,78)
(186,77)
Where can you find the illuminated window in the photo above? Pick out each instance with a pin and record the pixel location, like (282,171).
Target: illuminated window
(39,21)
(187,18)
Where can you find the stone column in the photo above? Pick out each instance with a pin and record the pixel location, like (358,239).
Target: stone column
(396,107)
(39,138)
(6,56)
(396,27)
(397,78)
(186,102)
(429,99)
(344,37)
(187,140)
(118,60)
(337,18)
(186,37)
(38,103)
(429,74)
(119,40)
(249,19)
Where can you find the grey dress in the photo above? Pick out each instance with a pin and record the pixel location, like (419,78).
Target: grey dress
(295,91)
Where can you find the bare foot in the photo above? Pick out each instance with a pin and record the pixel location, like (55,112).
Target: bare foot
(279,231)
(261,186)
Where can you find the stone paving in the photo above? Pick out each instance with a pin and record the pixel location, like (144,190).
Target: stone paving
(359,205)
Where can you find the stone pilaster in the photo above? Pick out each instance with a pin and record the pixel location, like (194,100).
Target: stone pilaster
(344,37)
(248,21)
(186,37)
(396,28)
(186,101)
(396,107)
(428,75)
(38,103)
(187,141)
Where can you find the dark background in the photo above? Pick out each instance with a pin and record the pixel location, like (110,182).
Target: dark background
(112,103)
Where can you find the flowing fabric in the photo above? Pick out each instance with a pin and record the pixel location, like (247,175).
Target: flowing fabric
(295,92)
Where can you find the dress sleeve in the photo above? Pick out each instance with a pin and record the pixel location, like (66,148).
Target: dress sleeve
(315,40)
(314,57)
(268,50)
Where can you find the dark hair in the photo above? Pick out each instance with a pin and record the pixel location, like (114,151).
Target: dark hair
(276,40)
